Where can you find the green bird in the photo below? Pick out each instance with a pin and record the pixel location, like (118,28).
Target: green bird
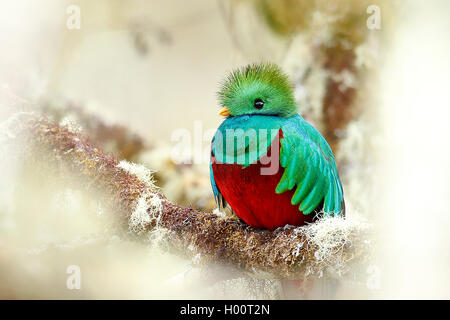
(271,166)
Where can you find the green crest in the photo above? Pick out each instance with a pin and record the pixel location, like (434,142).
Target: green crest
(258,89)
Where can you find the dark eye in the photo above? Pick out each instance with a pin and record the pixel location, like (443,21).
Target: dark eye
(258,104)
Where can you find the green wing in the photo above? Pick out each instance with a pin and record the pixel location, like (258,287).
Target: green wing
(310,168)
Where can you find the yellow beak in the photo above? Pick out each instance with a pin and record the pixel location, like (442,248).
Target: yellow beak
(224,112)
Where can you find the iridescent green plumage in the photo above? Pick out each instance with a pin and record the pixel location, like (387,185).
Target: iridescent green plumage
(258,81)
(310,168)
(307,159)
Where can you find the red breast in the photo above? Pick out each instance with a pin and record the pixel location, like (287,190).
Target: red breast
(252,195)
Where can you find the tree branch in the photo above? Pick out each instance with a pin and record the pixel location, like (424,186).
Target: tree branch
(289,252)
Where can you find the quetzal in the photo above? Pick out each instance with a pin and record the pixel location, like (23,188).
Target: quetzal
(271,166)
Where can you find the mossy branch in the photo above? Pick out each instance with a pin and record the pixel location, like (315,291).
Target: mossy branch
(284,253)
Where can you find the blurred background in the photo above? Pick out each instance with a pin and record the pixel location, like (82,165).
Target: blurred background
(372,76)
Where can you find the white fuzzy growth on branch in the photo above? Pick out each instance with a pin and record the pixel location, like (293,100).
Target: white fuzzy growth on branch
(144,174)
(328,237)
(149,206)
(140,219)
(71,124)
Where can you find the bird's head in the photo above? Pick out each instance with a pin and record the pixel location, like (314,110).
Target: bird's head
(257,89)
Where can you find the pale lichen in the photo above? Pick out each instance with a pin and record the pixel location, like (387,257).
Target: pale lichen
(71,124)
(147,213)
(330,239)
(141,172)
